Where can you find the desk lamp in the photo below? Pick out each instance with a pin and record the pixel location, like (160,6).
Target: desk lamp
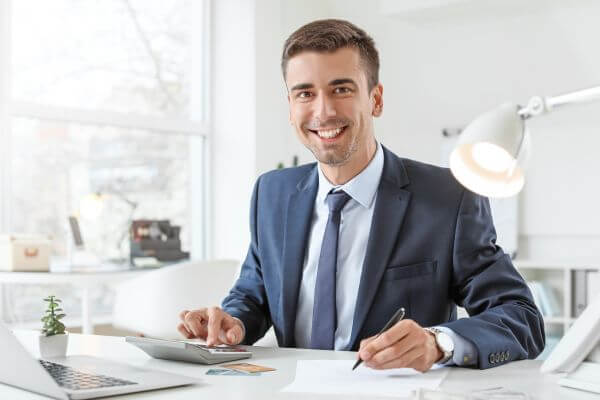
(489,159)
(492,151)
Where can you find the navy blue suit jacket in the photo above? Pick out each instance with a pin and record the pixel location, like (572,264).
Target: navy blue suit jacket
(431,246)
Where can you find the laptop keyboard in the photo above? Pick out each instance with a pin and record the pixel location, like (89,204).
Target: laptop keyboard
(70,378)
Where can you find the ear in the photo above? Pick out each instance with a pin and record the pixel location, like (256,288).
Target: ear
(289,110)
(377,100)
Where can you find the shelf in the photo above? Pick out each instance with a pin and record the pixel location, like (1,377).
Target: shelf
(556,264)
(557,275)
(558,320)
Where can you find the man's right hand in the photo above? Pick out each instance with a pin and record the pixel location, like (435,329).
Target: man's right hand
(211,324)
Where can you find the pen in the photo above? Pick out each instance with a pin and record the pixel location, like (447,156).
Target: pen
(395,318)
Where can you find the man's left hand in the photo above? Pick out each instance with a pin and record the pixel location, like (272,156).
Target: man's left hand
(404,345)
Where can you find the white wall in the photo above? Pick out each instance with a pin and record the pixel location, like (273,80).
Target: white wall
(233,138)
(251,133)
(445,66)
(441,68)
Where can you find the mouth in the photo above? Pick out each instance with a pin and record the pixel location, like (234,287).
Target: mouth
(330,134)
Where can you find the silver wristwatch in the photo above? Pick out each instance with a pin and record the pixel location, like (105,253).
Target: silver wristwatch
(444,343)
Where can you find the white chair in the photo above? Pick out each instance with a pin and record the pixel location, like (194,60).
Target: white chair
(150,304)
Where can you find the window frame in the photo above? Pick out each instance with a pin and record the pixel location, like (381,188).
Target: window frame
(196,126)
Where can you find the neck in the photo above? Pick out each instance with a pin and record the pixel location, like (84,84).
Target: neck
(340,174)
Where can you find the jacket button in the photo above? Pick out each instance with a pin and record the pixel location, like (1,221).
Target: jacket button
(502,356)
(507,355)
(492,360)
(497,359)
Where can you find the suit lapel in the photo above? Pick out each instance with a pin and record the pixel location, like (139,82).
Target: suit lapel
(390,208)
(298,221)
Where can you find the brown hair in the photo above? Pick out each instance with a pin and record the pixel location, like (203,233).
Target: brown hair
(329,35)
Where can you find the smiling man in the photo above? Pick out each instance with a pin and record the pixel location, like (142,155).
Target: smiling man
(338,246)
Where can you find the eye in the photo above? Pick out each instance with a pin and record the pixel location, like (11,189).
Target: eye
(304,95)
(341,90)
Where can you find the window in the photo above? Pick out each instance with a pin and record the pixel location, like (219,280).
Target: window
(102,96)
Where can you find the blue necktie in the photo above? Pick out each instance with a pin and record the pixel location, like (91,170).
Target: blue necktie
(324,318)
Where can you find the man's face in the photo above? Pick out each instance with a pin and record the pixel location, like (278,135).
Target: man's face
(331,106)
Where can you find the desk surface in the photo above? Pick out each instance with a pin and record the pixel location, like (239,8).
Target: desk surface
(521,375)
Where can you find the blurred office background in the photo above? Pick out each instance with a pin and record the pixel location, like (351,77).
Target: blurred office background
(178,106)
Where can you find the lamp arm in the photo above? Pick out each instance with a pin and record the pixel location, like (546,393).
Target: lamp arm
(538,105)
(580,96)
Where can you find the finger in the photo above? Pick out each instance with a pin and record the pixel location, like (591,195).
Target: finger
(397,350)
(406,360)
(183,330)
(215,316)
(387,338)
(233,331)
(191,323)
(421,364)
(183,314)
(195,322)
(366,341)
(234,334)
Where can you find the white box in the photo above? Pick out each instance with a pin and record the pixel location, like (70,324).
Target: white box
(24,253)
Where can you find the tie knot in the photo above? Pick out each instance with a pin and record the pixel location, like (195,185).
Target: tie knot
(337,200)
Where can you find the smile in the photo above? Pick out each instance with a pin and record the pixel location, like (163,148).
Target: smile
(329,133)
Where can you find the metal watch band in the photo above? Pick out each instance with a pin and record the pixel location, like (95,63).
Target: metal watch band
(447,355)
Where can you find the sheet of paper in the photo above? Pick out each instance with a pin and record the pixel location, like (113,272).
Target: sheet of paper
(337,377)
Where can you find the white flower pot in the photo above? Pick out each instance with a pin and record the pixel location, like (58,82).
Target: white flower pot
(53,346)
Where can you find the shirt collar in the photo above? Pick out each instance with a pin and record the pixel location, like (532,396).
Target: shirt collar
(362,187)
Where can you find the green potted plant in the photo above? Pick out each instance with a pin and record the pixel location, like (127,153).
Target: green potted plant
(53,339)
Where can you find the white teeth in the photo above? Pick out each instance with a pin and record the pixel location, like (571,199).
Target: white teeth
(329,134)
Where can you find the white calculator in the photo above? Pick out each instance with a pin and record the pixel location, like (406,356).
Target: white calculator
(180,350)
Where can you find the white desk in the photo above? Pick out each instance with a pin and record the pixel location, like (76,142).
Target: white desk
(82,280)
(520,375)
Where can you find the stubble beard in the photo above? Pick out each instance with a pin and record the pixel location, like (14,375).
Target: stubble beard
(336,158)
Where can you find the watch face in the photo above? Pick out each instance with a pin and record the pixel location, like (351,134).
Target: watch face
(445,342)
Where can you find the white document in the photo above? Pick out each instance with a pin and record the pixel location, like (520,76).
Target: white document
(337,377)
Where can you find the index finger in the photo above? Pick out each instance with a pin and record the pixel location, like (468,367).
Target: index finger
(366,341)
(214,326)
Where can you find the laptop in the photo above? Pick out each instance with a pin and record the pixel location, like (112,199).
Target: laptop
(76,377)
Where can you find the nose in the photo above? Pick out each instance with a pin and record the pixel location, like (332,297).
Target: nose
(324,108)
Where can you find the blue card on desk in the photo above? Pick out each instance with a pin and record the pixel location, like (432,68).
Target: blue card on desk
(230,372)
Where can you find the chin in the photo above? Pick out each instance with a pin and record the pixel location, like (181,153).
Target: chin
(333,160)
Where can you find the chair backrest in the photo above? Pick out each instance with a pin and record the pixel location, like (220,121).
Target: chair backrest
(151,303)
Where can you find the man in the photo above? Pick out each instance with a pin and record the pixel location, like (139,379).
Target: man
(340,245)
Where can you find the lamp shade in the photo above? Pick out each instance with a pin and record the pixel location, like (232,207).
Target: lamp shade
(491,153)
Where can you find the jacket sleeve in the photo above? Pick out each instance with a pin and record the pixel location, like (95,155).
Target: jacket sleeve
(504,323)
(247,299)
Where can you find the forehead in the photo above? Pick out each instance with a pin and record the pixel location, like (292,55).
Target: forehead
(319,68)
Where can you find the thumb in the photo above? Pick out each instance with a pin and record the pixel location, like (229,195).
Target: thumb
(233,331)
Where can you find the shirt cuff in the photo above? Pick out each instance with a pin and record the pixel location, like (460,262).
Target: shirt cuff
(465,353)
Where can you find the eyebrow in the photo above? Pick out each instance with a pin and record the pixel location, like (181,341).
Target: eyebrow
(335,82)
(342,81)
(302,86)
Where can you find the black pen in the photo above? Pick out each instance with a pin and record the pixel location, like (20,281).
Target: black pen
(395,318)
